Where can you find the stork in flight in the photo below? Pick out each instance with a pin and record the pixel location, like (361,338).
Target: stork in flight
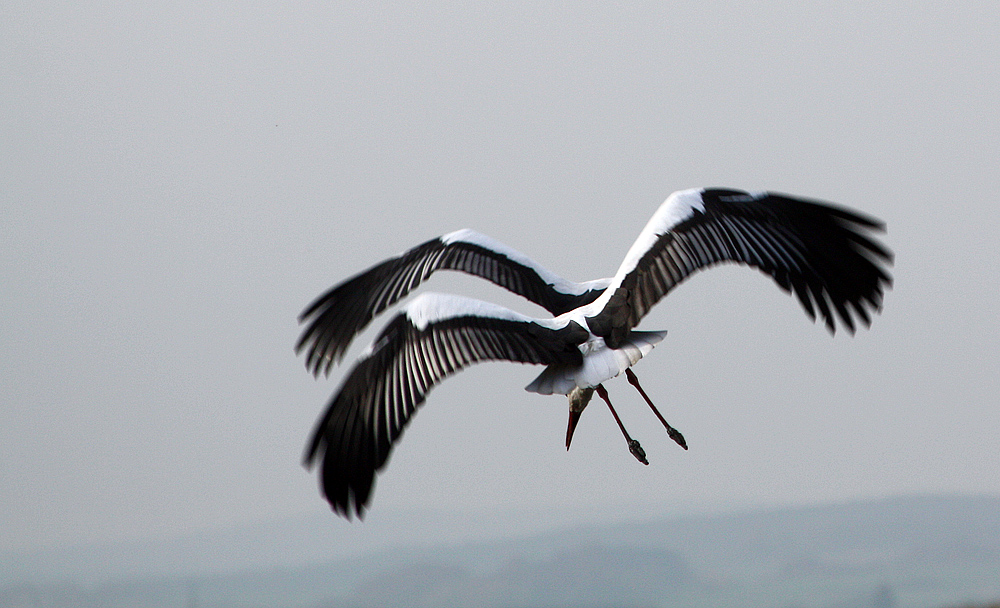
(823,254)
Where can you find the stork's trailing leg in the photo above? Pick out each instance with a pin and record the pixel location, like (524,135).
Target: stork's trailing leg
(674,433)
(633,445)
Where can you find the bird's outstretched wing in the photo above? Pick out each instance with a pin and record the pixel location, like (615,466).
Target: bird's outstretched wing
(346,309)
(822,253)
(431,338)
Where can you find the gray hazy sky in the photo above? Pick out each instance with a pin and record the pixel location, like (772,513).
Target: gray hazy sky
(180,179)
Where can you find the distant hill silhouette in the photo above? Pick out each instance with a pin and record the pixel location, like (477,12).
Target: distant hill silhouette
(912,552)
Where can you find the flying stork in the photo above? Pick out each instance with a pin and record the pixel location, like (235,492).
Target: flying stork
(823,254)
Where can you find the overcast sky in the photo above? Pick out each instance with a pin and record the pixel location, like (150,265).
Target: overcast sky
(180,179)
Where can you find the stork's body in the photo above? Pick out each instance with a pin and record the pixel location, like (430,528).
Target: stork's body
(821,253)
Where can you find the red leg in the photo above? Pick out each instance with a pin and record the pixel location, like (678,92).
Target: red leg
(674,433)
(633,445)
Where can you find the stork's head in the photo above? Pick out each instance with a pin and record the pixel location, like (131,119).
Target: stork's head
(578,399)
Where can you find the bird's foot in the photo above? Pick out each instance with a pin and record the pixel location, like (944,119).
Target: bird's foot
(637,451)
(676,436)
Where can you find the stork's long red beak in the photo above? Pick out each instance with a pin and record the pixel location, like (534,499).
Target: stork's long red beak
(578,400)
(574,417)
